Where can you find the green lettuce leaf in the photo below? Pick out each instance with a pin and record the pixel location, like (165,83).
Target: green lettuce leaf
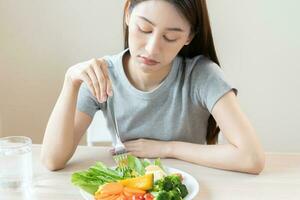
(136,165)
(97,175)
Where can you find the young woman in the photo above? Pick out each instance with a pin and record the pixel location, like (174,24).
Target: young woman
(166,90)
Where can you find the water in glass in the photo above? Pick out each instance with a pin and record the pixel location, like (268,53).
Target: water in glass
(15,162)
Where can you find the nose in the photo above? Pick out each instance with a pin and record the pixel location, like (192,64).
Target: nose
(153,45)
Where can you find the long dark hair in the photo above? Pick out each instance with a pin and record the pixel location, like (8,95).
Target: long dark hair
(195,11)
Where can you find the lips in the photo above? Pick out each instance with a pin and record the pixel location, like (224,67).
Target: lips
(148,61)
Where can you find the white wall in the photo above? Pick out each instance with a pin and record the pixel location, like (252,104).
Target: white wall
(259,47)
(39,40)
(257,42)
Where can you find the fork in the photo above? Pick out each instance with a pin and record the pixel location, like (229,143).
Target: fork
(120,156)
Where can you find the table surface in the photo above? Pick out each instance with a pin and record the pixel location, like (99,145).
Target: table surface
(279,180)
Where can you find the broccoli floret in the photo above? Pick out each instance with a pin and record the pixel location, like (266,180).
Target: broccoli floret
(158,185)
(167,183)
(172,186)
(163,195)
(175,180)
(183,190)
(163,184)
(175,194)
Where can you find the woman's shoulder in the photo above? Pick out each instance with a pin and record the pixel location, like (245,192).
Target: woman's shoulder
(207,80)
(200,61)
(201,66)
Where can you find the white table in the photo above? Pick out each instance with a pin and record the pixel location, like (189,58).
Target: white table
(279,180)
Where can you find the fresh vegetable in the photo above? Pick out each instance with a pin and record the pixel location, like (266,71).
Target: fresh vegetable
(133,191)
(148,196)
(109,191)
(169,188)
(163,195)
(116,191)
(179,175)
(142,182)
(136,165)
(156,171)
(110,188)
(95,176)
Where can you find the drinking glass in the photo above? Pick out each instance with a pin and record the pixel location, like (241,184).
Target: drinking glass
(15,163)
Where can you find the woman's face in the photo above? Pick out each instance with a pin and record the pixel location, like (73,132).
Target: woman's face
(157,32)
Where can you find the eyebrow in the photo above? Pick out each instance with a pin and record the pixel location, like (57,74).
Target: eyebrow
(169,29)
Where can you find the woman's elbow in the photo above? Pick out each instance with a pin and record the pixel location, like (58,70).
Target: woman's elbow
(256,163)
(51,164)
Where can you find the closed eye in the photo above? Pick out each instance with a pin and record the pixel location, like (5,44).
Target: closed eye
(143,31)
(165,37)
(169,40)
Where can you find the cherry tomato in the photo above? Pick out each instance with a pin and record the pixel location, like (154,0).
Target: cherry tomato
(148,196)
(138,197)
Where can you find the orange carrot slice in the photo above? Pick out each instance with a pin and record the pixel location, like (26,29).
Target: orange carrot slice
(122,197)
(112,188)
(134,191)
(101,195)
(110,197)
(127,194)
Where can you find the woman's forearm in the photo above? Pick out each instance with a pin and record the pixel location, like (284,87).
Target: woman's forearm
(58,144)
(221,156)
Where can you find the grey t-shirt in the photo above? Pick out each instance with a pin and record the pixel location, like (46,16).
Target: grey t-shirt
(178,109)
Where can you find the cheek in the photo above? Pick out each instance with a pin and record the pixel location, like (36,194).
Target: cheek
(171,51)
(135,37)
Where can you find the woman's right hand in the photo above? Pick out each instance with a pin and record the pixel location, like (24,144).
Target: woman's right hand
(96,76)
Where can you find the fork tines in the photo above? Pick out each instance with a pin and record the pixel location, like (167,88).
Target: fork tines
(121,160)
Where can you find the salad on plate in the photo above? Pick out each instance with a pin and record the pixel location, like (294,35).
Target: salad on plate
(140,179)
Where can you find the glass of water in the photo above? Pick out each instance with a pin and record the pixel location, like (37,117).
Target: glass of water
(15,163)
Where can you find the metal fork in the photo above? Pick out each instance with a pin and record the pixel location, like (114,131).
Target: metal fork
(120,156)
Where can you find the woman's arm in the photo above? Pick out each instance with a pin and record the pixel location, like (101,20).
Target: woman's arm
(243,152)
(64,129)
(66,125)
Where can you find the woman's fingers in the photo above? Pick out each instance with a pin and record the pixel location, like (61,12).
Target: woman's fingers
(95,82)
(101,82)
(86,78)
(95,74)
(101,69)
(104,68)
(109,88)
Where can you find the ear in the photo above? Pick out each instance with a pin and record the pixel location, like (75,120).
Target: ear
(127,12)
(190,38)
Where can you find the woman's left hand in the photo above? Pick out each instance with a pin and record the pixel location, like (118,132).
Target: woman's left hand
(148,148)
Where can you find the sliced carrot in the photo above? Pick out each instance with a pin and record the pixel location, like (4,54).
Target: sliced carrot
(101,195)
(134,190)
(110,197)
(122,197)
(112,188)
(104,195)
(127,194)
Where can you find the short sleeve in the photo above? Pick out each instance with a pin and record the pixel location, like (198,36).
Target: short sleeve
(86,102)
(210,84)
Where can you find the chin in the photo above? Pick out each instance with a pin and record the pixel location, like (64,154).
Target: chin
(149,68)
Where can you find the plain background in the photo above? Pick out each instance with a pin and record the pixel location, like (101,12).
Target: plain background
(257,42)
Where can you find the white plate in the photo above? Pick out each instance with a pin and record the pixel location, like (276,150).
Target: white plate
(190,182)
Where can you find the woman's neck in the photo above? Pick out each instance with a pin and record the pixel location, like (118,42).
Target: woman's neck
(141,80)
